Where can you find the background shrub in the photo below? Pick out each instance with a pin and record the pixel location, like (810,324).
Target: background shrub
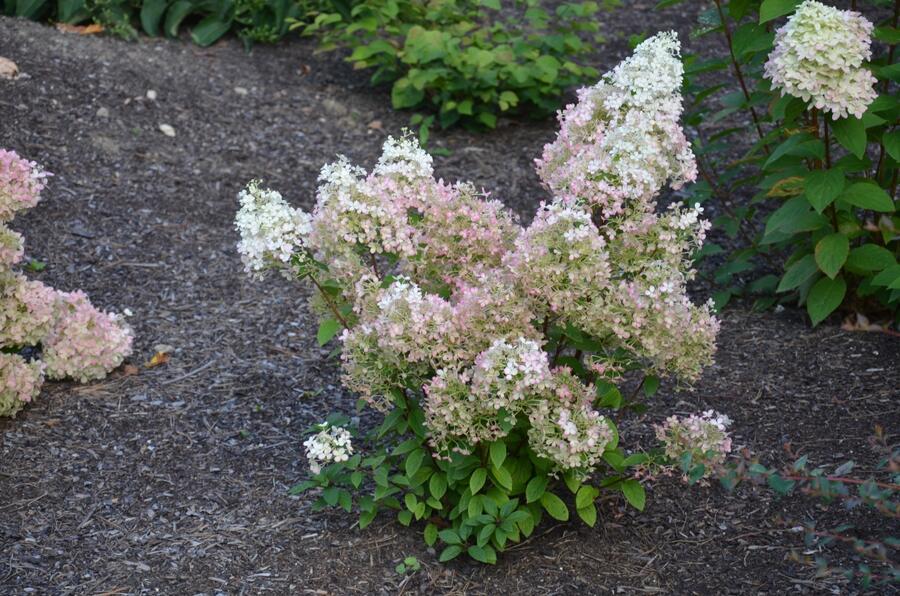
(466,61)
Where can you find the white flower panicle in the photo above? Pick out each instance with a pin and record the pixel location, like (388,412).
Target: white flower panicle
(621,143)
(332,444)
(272,231)
(818,57)
(404,157)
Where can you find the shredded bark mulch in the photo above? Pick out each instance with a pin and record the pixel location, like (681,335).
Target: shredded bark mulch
(174,479)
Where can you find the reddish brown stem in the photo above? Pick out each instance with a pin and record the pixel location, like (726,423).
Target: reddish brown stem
(738,73)
(329,302)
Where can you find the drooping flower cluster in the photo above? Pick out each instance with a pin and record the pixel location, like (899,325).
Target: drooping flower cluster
(622,142)
(75,339)
(704,437)
(492,328)
(818,57)
(330,445)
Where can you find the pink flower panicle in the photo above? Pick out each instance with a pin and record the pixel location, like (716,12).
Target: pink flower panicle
(20,383)
(84,343)
(21,183)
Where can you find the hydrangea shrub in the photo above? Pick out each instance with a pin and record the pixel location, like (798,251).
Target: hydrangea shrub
(493,350)
(75,339)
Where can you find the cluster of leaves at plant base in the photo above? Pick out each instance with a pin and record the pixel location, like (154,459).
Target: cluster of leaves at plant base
(467,60)
(828,186)
(253,20)
(879,564)
(476,504)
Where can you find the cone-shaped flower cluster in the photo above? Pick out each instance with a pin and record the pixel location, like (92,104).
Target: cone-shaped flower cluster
(819,55)
(75,339)
(447,300)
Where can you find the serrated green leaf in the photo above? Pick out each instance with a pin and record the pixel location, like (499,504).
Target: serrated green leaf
(825,296)
(868,195)
(327,330)
(798,273)
(831,253)
(821,187)
(851,134)
(772,9)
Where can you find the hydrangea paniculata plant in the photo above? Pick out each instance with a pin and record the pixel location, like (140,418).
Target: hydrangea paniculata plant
(492,349)
(75,339)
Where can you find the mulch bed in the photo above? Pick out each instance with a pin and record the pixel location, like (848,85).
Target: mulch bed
(174,480)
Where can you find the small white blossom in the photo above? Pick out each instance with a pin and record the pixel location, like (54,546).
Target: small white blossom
(330,445)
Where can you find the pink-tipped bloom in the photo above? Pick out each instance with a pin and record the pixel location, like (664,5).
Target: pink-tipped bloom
(20,383)
(21,183)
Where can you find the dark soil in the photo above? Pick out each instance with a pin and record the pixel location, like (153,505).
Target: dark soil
(174,480)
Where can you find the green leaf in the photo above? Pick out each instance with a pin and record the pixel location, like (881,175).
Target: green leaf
(772,9)
(437,486)
(535,488)
(405,95)
(176,13)
(151,15)
(366,518)
(851,133)
(634,493)
(798,273)
(327,330)
(585,496)
(498,453)
(868,195)
(494,4)
(29,9)
(209,30)
(554,506)
(825,296)
(831,253)
(450,537)
(869,258)
(477,480)
(483,554)
(414,462)
(449,553)
(891,142)
(588,514)
(431,534)
(822,187)
(651,385)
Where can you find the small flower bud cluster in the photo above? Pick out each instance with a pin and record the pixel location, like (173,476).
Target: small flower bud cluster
(818,57)
(705,437)
(76,340)
(332,444)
